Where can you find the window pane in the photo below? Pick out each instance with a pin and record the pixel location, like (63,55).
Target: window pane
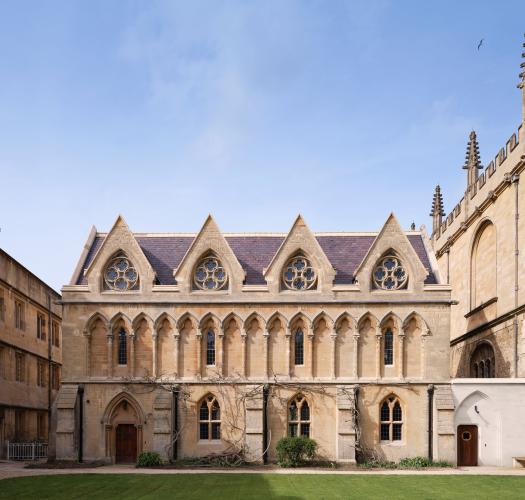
(216,431)
(385,432)
(122,348)
(305,411)
(389,348)
(385,412)
(210,348)
(203,433)
(292,430)
(305,430)
(204,414)
(396,432)
(215,411)
(397,413)
(299,347)
(292,411)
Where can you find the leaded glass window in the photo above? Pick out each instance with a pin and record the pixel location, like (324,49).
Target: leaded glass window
(122,348)
(120,275)
(391,420)
(210,274)
(210,348)
(210,418)
(299,275)
(388,348)
(482,361)
(299,347)
(390,274)
(299,417)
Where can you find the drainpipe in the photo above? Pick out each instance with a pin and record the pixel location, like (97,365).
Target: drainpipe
(430,392)
(515,179)
(81,423)
(265,424)
(49,366)
(175,420)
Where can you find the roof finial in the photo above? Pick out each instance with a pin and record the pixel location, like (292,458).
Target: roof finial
(521,84)
(472,161)
(437,212)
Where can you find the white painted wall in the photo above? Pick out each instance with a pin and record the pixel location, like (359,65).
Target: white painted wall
(497,407)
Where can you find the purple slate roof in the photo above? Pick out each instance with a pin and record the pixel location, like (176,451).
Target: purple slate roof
(345,252)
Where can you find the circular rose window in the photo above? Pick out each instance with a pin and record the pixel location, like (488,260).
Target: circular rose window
(120,275)
(210,274)
(298,274)
(390,274)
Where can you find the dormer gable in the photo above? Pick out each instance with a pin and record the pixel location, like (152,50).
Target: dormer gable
(391,242)
(119,242)
(300,243)
(211,245)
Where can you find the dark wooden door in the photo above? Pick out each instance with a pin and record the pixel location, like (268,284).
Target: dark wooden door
(468,445)
(126,443)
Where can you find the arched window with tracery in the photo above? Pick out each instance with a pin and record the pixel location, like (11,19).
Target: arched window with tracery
(390,273)
(391,419)
(209,418)
(388,348)
(299,347)
(299,274)
(210,274)
(482,361)
(299,417)
(122,348)
(210,348)
(120,274)
(483,268)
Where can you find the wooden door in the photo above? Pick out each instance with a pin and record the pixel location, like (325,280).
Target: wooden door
(467,445)
(126,443)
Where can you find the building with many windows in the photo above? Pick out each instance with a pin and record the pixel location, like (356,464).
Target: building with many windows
(193,344)
(30,353)
(480,248)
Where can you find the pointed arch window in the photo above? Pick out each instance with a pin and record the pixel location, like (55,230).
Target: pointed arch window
(209,418)
(210,348)
(391,419)
(210,274)
(482,361)
(299,274)
(388,348)
(120,274)
(122,348)
(299,417)
(390,274)
(299,347)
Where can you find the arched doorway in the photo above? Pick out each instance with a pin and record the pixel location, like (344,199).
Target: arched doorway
(123,421)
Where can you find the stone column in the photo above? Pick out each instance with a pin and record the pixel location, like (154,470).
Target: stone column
(424,336)
(254,419)
(346,433)
(267,353)
(110,354)
(132,354)
(312,353)
(401,356)
(220,352)
(378,353)
(355,367)
(289,351)
(198,368)
(154,337)
(244,338)
(333,336)
(176,349)
(87,359)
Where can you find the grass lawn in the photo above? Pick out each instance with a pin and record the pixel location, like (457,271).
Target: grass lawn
(259,486)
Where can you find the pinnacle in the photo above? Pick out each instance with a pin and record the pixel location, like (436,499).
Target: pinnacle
(437,203)
(472,159)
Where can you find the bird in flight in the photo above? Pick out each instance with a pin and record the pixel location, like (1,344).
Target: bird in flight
(480,43)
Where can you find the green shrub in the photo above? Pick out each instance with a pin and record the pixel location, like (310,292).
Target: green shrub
(295,451)
(420,463)
(149,459)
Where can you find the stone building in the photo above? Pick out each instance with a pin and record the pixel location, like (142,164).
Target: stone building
(192,344)
(479,248)
(30,353)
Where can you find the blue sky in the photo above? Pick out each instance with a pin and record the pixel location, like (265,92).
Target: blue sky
(253,111)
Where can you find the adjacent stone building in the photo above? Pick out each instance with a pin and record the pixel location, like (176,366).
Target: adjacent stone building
(480,248)
(30,353)
(192,344)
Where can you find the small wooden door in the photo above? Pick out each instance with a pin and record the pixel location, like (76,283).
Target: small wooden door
(126,443)
(468,445)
